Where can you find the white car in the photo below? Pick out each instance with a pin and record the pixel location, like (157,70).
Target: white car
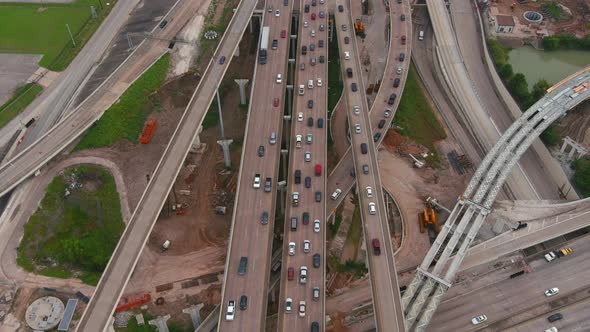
(300,116)
(336,194)
(322,1)
(316,226)
(305,24)
(552,329)
(303,275)
(357,110)
(279,78)
(291,248)
(319,82)
(369,192)
(399,70)
(309,139)
(306,246)
(478,319)
(387,113)
(298,139)
(301,308)
(277,13)
(256,184)
(551,291)
(346,55)
(231,310)
(357,128)
(307,156)
(372,208)
(550,256)
(289,305)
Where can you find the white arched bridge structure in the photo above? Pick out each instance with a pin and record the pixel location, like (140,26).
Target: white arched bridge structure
(428,287)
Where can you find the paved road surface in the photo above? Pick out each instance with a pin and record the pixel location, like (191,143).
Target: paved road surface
(126,255)
(385,289)
(317,210)
(249,238)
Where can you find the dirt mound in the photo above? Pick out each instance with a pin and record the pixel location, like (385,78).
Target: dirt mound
(395,142)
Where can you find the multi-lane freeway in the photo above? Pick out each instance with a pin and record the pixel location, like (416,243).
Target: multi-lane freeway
(126,254)
(307,177)
(254,211)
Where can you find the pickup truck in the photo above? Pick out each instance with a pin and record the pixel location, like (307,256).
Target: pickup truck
(295,198)
(256,184)
(231,309)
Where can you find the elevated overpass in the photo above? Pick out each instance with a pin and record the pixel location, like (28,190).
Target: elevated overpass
(126,254)
(429,286)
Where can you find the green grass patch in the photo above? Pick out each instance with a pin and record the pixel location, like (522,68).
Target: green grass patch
(41,29)
(125,119)
(415,118)
(355,233)
(73,235)
(335,84)
(337,222)
(21,99)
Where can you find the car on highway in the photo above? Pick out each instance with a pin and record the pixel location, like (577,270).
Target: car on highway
(356,110)
(283,33)
(479,319)
(307,156)
(387,113)
(308,182)
(318,196)
(298,139)
(310,121)
(268,185)
(320,123)
(552,329)
(297,176)
(551,291)
(273,138)
(369,191)
(316,260)
(353,87)
(302,66)
(275,102)
(305,218)
(343,27)
(319,82)
(222,60)
(322,27)
(306,246)
(306,8)
(322,59)
(313,16)
(357,128)
(402,17)
(292,248)
(372,208)
(346,40)
(300,116)
(402,56)
(243,266)
(269,8)
(403,38)
(309,138)
(346,55)
(264,218)
(364,148)
(303,275)
(295,198)
(275,44)
(321,43)
(289,305)
(310,103)
(231,310)
(336,194)
(312,61)
(322,14)
(555,317)
(376,247)
(349,72)
(279,78)
(301,308)
(290,274)
(316,226)
(399,70)
(243,302)
(277,13)
(305,24)
(311,47)
(391,99)
(396,82)
(261,151)
(381,124)
(293,223)
(376,137)
(314,3)
(318,170)
(257,181)
(316,293)
(163,24)
(340,8)
(315,326)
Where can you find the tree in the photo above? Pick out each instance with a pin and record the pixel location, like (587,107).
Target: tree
(551,136)
(539,89)
(551,43)
(520,89)
(506,71)
(582,175)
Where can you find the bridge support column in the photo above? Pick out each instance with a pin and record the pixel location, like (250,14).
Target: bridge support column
(282,188)
(575,147)
(289,98)
(242,84)
(197,145)
(285,161)
(225,147)
(160,323)
(195,312)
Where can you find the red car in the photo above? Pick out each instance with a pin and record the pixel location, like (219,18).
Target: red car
(403,40)
(318,170)
(313,16)
(346,40)
(275,102)
(283,33)
(290,274)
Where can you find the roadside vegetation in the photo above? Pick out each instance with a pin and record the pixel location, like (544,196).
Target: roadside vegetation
(173,326)
(76,228)
(518,87)
(21,99)
(415,118)
(566,41)
(582,175)
(335,84)
(125,119)
(219,25)
(32,28)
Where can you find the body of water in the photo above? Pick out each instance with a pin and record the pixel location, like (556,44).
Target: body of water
(552,66)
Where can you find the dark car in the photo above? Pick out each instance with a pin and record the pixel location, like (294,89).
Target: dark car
(318,196)
(391,99)
(403,40)
(346,40)
(340,8)
(321,43)
(314,3)
(316,260)
(304,50)
(353,87)
(306,9)
(376,137)
(307,182)
(275,44)
(402,17)
(163,24)
(315,327)
(261,151)
(310,103)
(396,82)
(320,123)
(305,218)
(290,274)
(267,185)
(364,148)
(264,218)
(297,176)
(311,47)
(322,59)
(365,169)
(381,123)
(554,317)
(222,60)
(243,302)
(402,56)
(349,72)
(310,122)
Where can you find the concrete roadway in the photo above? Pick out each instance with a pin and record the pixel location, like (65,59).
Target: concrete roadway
(249,237)
(317,210)
(513,297)
(25,163)
(340,177)
(383,275)
(127,252)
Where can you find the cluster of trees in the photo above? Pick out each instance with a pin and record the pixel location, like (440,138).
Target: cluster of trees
(582,175)
(566,41)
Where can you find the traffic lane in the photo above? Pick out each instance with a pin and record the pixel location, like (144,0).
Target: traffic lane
(575,318)
(526,291)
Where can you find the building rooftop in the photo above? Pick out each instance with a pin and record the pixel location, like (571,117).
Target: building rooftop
(505,20)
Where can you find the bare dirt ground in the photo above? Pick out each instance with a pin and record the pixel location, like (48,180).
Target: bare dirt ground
(576,124)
